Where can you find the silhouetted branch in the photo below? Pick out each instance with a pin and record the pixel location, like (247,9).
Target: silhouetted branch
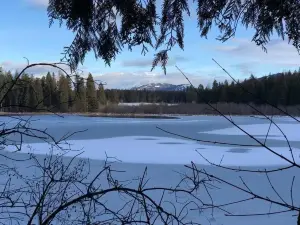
(244,188)
(249,92)
(205,141)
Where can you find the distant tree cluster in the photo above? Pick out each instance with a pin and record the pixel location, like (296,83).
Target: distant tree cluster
(278,89)
(55,92)
(63,94)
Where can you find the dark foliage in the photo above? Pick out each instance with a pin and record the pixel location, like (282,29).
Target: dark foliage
(107,26)
(279,89)
(56,93)
(195,109)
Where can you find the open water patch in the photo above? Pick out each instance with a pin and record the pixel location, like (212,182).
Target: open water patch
(239,150)
(146,139)
(264,135)
(171,143)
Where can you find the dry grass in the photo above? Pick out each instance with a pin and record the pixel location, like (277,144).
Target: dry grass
(198,109)
(162,110)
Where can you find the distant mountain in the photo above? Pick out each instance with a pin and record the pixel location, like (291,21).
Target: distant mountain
(162,87)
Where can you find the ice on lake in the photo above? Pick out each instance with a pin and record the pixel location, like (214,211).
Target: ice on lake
(291,131)
(163,150)
(140,146)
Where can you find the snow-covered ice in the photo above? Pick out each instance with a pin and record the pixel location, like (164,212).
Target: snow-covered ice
(292,131)
(163,150)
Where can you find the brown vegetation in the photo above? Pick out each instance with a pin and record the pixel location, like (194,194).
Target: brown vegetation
(165,111)
(198,109)
(115,115)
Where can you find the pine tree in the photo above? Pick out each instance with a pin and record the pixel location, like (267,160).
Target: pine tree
(80,95)
(70,93)
(14,94)
(143,96)
(224,92)
(140,22)
(46,82)
(115,96)
(101,96)
(191,95)
(33,95)
(39,92)
(7,95)
(200,87)
(63,94)
(2,85)
(54,92)
(24,97)
(91,95)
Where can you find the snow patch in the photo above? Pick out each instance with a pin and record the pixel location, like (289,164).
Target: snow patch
(292,131)
(163,150)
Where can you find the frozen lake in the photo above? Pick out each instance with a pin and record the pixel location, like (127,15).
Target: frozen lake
(138,143)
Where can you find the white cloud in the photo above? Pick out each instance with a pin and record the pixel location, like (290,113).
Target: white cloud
(147,62)
(248,58)
(38,70)
(245,68)
(129,80)
(278,52)
(121,79)
(39,3)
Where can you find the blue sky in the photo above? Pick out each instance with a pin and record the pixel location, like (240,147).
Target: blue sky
(25,32)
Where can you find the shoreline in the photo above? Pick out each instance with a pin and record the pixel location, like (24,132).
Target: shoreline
(113,115)
(172,112)
(127,115)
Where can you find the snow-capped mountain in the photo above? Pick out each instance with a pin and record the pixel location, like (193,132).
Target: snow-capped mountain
(162,87)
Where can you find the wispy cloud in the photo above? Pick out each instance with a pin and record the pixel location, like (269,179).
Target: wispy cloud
(121,79)
(147,62)
(39,3)
(36,70)
(246,68)
(278,52)
(128,80)
(248,58)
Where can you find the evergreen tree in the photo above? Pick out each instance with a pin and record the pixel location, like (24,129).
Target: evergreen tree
(2,83)
(91,95)
(47,87)
(101,97)
(70,93)
(80,95)
(39,92)
(24,97)
(201,87)
(54,92)
(8,100)
(115,96)
(33,95)
(63,94)
(191,95)
(28,92)
(224,91)
(15,94)
(140,22)
(143,96)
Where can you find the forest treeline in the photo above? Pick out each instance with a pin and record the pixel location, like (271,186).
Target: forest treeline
(64,94)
